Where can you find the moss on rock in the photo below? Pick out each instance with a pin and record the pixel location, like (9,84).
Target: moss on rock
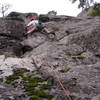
(78,57)
(35,98)
(17,73)
(35,86)
(64,70)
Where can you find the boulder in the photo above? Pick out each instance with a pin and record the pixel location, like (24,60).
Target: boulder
(12,28)
(11,33)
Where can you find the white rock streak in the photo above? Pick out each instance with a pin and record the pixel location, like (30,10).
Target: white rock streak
(8,64)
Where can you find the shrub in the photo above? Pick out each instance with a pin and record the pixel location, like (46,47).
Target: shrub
(93,12)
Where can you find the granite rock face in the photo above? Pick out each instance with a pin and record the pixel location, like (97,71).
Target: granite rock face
(11,33)
(12,27)
(76,48)
(74,55)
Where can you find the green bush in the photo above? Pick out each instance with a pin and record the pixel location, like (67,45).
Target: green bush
(95,11)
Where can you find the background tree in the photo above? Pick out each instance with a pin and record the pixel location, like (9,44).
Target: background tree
(84,3)
(52,12)
(3,8)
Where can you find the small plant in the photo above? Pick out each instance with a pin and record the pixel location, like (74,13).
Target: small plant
(64,70)
(95,11)
(78,57)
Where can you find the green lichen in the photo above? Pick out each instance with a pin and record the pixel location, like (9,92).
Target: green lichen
(36,79)
(31,84)
(45,86)
(42,93)
(39,93)
(26,78)
(64,70)
(35,83)
(35,98)
(11,78)
(35,86)
(20,72)
(78,57)
(16,75)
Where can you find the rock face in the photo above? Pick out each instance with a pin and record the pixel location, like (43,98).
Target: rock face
(77,47)
(12,27)
(23,16)
(83,13)
(11,33)
(74,55)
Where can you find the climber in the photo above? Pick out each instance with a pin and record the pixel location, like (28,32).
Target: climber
(32,25)
(35,25)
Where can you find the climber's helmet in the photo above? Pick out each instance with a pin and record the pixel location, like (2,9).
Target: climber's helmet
(33,18)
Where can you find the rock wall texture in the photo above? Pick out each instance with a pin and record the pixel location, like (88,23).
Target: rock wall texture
(74,55)
(77,47)
(11,33)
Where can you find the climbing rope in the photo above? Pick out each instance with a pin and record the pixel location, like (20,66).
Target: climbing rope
(67,93)
(61,84)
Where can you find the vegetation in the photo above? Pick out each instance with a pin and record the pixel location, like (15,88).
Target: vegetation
(35,86)
(78,57)
(3,8)
(52,12)
(84,3)
(64,70)
(35,98)
(16,75)
(95,11)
